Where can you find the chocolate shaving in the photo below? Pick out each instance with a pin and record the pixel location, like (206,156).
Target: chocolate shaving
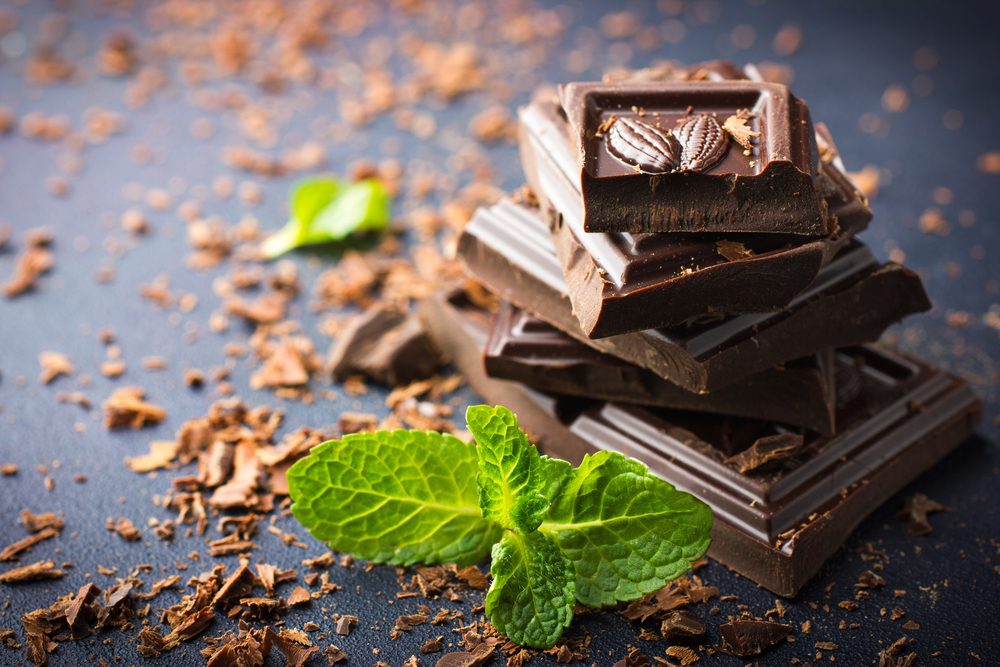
(767,452)
(53,365)
(161,454)
(12,550)
(43,569)
(125,408)
(682,653)
(299,596)
(38,522)
(125,528)
(334,654)
(749,638)
(915,512)
(732,250)
(738,129)
(682,626)
(28,266)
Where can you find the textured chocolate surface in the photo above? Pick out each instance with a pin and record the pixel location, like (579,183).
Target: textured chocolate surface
(898,418)
(630,184)
(526,349)
(852,300)
(622,282)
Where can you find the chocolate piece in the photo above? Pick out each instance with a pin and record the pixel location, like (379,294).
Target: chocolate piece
(619,282)
(385,344)
(767,452)
(851,301)
(915,512)
(682,626)
(716,185)
(749,638)
(776,528)
(522,347)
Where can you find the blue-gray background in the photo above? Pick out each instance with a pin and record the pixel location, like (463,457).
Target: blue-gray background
(851,52)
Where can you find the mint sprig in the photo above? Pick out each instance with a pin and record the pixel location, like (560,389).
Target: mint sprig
(605,532)
(328,209)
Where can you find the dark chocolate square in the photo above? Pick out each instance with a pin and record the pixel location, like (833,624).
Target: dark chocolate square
(772,187)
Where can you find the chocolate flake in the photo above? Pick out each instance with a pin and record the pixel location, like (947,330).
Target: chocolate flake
(682,626)
(767,452)
(12,550)
(37,522)
(53,365)
(43,569)
(915,512)
(748,638)
(28,266)
(736,126)
(732,250)
(125,408)
(682,653)
(125,528)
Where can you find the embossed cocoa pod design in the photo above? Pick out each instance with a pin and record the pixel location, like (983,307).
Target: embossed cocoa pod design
(644,146)
(704,141)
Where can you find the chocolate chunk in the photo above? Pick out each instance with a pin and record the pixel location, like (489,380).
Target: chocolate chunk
(852,300)
(620,282)
(767,452)
(522,347)
(749,638)
(385,344)
(915,512)
(774,189)
(682,626)
(776,528)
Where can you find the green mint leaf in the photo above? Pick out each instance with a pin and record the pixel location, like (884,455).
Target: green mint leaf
(626,531)
(360,206)
(400,497)
(327,209)
(532,594)
(515,483)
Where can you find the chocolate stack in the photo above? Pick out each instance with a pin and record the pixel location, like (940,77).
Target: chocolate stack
(681,283)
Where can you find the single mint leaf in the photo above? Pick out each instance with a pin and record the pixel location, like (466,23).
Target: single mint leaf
(515,483)
(327,209)
(360,206)
(626,531)
(400,497)
(532,594)
(311,197)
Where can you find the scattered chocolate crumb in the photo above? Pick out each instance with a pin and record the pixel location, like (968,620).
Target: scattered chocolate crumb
(345,624)
(53,365)
(38,522)
(125,528)
(125,408)
(748,638)
(8,469)
(915,512)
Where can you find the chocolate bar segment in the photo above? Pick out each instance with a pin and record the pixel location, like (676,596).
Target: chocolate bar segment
(852,300)
(898,418)
(525,349)
(631,181)
(620,283)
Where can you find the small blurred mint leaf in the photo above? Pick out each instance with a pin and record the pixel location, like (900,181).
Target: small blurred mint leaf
(515,483)
(327,209)
(532,594)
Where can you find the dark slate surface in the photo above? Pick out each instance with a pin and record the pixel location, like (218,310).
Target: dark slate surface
(852,51)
